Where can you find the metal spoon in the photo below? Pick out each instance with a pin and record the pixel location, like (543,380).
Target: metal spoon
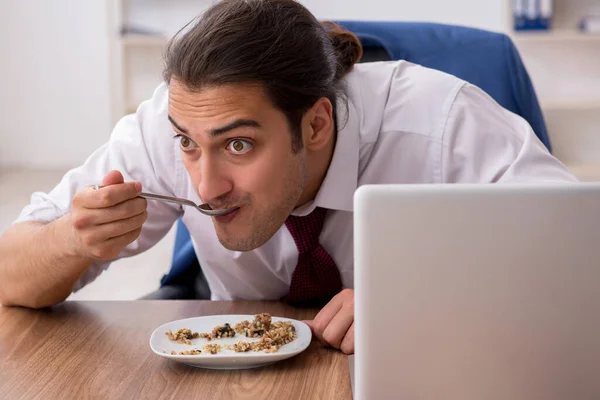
(203,208)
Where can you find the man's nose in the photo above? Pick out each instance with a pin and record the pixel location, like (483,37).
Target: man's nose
(213,182)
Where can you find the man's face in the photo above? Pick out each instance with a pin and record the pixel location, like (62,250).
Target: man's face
(237,149)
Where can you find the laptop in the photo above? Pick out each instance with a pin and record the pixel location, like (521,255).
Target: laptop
(477,292)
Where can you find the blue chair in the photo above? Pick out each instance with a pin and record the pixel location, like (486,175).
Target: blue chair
(485,59)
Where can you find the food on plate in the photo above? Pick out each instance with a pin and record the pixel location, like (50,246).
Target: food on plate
(272,335)
(212,348)
(278,334)
(222,331)
(193,352)
(256,328)
(182,336)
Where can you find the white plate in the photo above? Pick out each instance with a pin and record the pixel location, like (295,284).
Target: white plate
(225,359)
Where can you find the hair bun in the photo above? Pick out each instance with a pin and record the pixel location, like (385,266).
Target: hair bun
(348,49)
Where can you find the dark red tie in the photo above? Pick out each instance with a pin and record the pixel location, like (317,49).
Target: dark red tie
(316,278)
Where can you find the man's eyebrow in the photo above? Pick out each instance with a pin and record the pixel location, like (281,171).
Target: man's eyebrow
(240,123)
(176,125)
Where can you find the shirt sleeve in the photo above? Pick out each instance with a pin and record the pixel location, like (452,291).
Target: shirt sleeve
(142,149)
(483,143)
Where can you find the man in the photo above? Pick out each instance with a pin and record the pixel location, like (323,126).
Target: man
(263,111)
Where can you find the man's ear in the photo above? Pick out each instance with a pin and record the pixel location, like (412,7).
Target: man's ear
(318,125)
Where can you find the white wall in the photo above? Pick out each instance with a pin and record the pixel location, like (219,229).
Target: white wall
(486,14)
(54,74)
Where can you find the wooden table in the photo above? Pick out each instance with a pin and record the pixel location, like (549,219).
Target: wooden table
(82,350)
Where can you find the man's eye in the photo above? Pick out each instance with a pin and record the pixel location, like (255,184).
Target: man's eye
(239,146)
(185,142)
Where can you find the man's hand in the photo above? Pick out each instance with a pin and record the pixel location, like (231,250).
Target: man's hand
(334,324)
(104,221)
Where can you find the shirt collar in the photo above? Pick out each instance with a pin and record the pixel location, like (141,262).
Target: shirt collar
(338,187)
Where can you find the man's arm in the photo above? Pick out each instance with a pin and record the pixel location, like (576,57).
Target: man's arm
(29,247)
(40,263)
(64,239)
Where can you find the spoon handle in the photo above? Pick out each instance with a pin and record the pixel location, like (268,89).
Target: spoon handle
(168,199)
(177,200)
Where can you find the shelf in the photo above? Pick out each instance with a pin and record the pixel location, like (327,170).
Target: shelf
(578,105)
(519,36)
(135,40)
(556,35)
(585,172)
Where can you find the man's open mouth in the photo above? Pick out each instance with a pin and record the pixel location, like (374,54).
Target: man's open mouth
(232,209)
(229,209)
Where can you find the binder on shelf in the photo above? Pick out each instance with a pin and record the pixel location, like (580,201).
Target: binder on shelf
(532,14)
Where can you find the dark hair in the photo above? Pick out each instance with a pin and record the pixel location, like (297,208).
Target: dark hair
(276,43)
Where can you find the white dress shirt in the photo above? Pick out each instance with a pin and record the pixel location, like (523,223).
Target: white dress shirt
(404,124)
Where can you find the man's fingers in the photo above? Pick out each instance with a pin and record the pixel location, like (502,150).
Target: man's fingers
(110,249)
(124,226)
(103,233)
(309,322)
(112,178)
(338,327)
(125,239)
(312,329)
(325,316)
(347,345)
(110,195)
(125,210)
(106,219)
